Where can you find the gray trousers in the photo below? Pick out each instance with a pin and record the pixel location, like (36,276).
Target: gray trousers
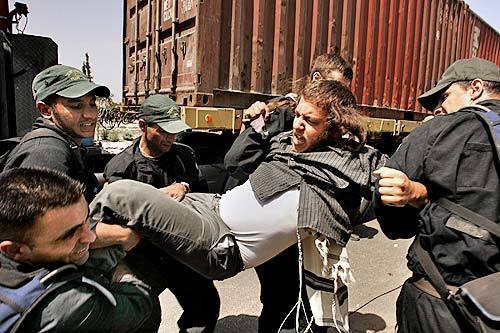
(190,231)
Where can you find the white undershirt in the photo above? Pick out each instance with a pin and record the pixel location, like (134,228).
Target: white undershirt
(261,231)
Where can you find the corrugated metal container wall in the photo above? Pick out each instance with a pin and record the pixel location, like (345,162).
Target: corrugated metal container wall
(225,50)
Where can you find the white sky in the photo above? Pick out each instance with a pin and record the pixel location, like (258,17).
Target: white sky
(95,26)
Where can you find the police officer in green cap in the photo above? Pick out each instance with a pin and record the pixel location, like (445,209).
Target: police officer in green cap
(453,158)
(66,101)
(156,159)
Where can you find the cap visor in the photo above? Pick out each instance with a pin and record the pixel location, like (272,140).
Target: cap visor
(83,88)
(429,99)
(174,126)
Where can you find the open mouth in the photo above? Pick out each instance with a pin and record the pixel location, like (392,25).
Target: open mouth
(88,125)
(298,138)
(82,251)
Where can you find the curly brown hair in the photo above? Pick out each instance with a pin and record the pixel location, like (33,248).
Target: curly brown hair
(345,123)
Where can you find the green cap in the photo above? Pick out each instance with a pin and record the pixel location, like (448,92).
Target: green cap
(164,112)
(65,81)
(460,70)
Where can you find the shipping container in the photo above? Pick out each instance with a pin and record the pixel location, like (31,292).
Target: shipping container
(228,53)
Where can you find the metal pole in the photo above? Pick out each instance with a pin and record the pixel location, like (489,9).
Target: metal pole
(157,47)
(173,71)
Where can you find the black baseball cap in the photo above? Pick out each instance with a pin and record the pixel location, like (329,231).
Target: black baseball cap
(460,70)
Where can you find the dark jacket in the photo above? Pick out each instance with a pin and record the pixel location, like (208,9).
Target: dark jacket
(83,306)
(58,153)
(453,157)
(177,165)
(332,182)
(251,147)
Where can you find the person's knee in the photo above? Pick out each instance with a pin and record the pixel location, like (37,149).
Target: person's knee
(116,199)
(126,190)
(129,202)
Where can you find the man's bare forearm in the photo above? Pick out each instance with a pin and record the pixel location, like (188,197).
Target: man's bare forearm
(419,197)
(113,234)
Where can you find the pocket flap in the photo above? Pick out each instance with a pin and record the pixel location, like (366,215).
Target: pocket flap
(484,294)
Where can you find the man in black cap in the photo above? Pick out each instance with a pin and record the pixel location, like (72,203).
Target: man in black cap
(464,83)
(448,158)
(65,99)
(156,159)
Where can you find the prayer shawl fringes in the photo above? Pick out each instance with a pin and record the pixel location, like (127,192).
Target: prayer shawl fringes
(327,274)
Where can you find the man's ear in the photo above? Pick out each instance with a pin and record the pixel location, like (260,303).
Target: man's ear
(476,89)
(142,125)
(15,250)
(44,109)
(316,76)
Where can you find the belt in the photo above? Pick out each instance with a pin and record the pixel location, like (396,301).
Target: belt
(424,285)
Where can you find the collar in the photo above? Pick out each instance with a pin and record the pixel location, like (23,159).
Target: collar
(41,122)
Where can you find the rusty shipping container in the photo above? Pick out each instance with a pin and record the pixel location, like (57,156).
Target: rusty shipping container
(227,53)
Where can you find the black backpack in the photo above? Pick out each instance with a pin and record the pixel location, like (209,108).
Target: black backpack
(20,295)
(80,171)
(7,146)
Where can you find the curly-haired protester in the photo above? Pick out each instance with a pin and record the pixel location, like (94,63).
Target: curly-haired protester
(279,277)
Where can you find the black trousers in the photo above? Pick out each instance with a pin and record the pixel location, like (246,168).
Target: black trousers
(419,312)
(196,294)
(279,290)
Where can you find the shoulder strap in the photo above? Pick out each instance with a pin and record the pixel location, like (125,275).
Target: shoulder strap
(41,133)
(66,269)
(431,270)
(436,279)
(471,216)
(181,162)
(492,121)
